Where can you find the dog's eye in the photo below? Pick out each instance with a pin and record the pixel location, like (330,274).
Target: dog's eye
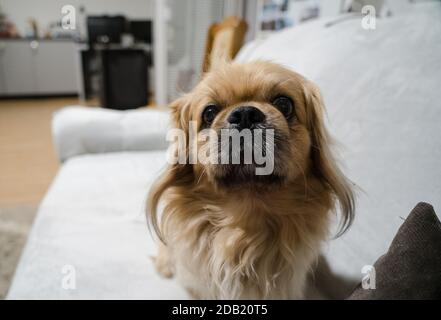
(285,105)
(210,113)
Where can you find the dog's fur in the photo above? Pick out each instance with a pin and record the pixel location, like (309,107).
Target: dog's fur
(251,238)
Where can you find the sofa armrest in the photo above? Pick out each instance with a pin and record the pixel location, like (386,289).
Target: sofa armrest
(80,130)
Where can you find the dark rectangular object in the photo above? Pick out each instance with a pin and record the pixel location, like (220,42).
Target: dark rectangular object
(105,29)
(124,79)
(141,30)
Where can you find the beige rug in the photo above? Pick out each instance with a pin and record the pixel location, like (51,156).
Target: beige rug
(15,223)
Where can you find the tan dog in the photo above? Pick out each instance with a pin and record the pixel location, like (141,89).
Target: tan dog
(229,233)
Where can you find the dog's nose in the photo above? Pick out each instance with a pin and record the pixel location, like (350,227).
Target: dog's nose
(246,117)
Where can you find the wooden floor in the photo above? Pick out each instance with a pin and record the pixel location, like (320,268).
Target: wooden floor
(28,162)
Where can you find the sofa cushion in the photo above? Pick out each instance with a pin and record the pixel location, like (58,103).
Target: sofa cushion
(411,268)
(92,220)
(80,130)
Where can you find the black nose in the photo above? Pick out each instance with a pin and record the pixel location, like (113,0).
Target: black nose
(246,117)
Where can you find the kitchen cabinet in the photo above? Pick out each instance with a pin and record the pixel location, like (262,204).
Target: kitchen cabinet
(38,67)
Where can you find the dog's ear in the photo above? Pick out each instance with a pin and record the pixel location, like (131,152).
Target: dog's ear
(179,175)
(180,113)
(324,164)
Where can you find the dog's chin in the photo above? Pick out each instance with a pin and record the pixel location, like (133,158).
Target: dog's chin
(244,177)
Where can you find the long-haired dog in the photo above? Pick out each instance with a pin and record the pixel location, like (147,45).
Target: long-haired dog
(228,233)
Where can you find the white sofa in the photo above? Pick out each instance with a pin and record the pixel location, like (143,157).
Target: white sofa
(382,90)
(92,218)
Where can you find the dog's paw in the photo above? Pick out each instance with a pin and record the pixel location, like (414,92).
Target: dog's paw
(193,294)
(163,264)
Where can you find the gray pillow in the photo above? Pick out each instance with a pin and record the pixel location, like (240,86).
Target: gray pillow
(411,269)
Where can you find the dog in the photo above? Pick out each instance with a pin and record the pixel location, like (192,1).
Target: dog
(228,233)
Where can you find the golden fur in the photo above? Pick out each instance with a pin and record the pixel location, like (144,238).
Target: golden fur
(251,240)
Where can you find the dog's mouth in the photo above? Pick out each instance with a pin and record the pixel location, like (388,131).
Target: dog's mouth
(251,161)
(230,176)
(246,146)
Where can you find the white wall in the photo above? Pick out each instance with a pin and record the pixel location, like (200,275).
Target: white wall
(328,8)
(47,11)
(188,26)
